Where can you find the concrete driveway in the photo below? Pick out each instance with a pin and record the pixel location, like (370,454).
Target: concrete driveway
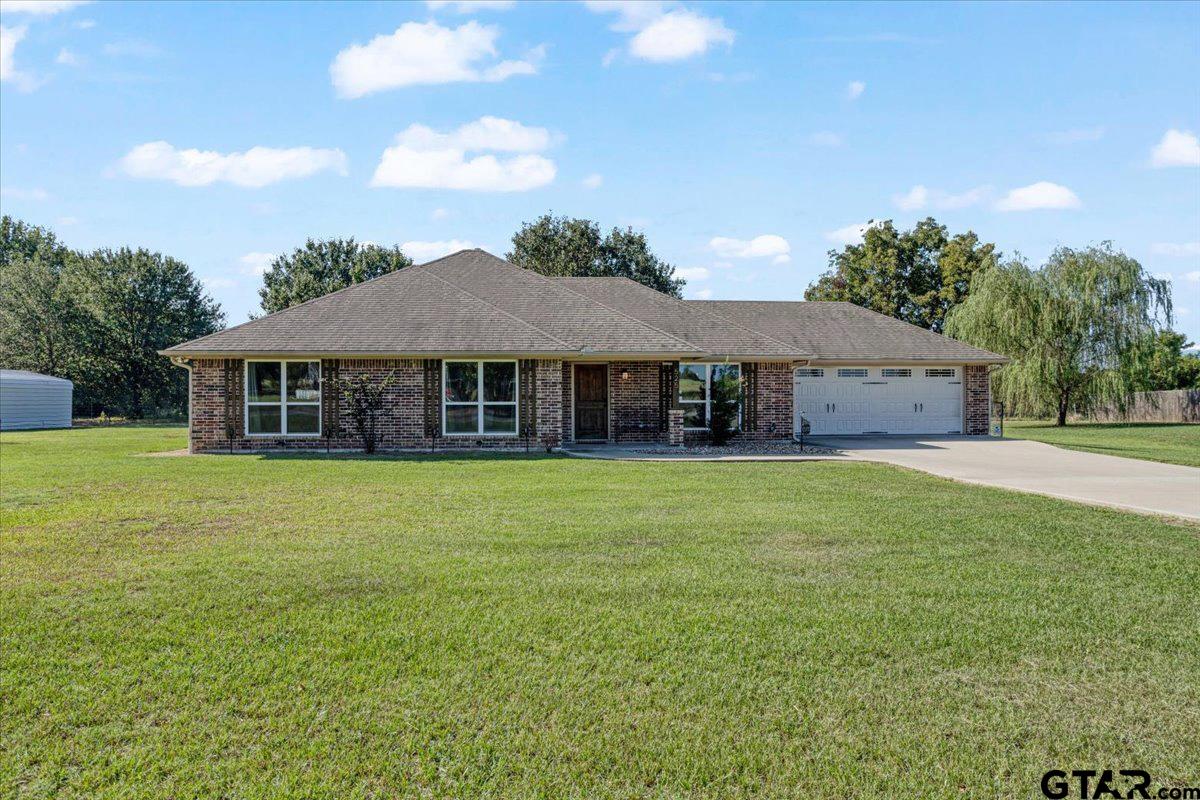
(1026,466)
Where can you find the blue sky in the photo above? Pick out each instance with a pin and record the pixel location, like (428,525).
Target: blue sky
(745,139)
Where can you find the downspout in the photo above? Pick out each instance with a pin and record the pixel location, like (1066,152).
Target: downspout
(186,363)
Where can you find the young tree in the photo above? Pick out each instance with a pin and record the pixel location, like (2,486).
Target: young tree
(321,267)
(138,302)
(566,247)
(1077,330)
(723,407)
(365,398)
(916,275)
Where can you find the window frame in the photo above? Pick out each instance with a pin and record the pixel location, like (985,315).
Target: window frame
(941,372)
(854,372)
(707,401)
(283,403)
(480,402)
(895,372)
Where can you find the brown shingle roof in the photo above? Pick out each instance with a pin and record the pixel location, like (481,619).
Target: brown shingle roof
(472,303)
(844,331)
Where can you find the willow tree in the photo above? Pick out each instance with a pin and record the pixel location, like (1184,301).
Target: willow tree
(1077,330)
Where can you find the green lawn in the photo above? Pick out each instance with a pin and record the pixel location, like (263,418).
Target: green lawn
(1154,441)
(458,626)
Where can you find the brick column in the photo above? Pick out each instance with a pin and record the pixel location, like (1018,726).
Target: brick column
(977,400)
(675,427)
(549,402)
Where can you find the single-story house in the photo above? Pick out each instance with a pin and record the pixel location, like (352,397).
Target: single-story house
(486,354)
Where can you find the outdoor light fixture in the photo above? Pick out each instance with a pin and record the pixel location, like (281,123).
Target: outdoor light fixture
(624,374)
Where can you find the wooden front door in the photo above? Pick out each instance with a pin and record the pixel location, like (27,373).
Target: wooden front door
(591,402)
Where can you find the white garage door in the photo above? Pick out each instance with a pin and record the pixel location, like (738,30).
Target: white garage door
(848,400)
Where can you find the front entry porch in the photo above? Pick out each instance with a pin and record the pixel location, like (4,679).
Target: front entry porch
(621,402)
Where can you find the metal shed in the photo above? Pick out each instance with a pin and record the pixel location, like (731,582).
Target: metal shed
(31,400)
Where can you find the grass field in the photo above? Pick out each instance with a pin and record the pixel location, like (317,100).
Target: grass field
(1172,443)
(455,626)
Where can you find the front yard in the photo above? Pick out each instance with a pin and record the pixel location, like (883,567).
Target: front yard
(460,626)
(1173,443)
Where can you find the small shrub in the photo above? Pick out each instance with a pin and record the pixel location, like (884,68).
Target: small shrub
(723,408)
(365,398)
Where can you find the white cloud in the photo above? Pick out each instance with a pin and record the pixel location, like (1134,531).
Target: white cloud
(255,264)
(39,7)
(766,246)
(24,194)
(692,273)
(679,35)
(218,283)
(68,58)
(1174,250)
(1177,149)
(1192,277)
(1076,135)
(917,197)
(825,139)
(663,31)
(854,90)
(920,196)
(851,234)
(424,158)
(1042,194)
(258,166)
(420,252)
(85,24)
(9,38)
(66,221)
(439,214)
(425,53)
(470,6)
(593,181)
(702,294)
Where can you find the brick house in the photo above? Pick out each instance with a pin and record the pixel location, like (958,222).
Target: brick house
(485,354)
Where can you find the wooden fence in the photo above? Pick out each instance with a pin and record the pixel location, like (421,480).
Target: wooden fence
(1173,405)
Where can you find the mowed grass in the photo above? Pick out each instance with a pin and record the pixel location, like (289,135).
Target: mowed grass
(455,626)
(1174,443)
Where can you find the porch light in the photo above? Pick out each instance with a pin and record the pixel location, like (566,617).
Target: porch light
(624,374)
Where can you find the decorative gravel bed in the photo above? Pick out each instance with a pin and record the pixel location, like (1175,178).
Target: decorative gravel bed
(777,448)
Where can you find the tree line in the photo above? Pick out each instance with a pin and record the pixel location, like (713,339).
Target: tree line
(1088,327)
(98,319)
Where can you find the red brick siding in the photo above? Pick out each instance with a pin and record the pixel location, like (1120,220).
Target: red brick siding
(568,406)
(633,401)
(402,425)
(977,400)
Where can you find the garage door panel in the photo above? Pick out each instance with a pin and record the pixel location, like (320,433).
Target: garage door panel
(904,400)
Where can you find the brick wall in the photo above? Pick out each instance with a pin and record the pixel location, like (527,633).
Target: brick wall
(977,400)
(401,427)
(633,401)
(772,402)
(568,404)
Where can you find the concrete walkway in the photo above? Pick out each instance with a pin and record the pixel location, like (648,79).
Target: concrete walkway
(1132,484)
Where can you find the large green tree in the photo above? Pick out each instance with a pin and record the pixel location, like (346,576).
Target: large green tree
(39,320)
(1078,330)
(138,302)
(1169,366)
(324,266)
(571,247)
(916,275)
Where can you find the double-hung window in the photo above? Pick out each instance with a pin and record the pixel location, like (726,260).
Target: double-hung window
(695,391)
(479,398)
(283,398)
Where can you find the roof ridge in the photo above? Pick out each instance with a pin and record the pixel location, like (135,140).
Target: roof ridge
(610,308)
(488,303)
(926,331)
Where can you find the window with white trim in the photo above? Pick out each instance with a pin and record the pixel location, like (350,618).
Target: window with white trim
(479,398)
(283,398)
(695,391)
(810,372)
(896,372)
(852,372)
(939,372)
